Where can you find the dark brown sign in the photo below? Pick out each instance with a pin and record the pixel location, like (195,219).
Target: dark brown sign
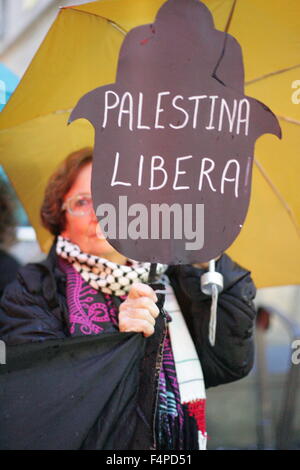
(174,139)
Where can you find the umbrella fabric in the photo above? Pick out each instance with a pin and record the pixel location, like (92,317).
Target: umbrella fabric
(80,53)
(70,394)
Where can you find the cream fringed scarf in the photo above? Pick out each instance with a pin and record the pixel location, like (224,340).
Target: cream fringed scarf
(114,279)
(188,368)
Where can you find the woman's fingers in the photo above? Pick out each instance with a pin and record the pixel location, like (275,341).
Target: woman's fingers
(139,289)
(137,320)
(143,303)
(137,326)
(138,312)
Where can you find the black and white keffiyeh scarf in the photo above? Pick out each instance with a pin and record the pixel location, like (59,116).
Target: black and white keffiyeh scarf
(181,384)
(111,278)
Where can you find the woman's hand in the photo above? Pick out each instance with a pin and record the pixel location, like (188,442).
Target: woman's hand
(139,311)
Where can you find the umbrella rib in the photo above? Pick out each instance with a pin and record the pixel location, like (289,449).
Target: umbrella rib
(271,74)
(228,22)
(278,195)
(229,19)
(289,119)
(118,27)
(112,23)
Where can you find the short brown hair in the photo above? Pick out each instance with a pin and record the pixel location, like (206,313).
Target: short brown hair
(53,218)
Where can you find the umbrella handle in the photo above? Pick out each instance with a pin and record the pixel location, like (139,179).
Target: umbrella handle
(152,273)
(212,284)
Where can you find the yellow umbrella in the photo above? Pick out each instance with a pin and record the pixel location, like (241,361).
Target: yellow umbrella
(34,136)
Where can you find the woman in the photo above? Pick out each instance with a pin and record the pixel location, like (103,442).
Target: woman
(85,287)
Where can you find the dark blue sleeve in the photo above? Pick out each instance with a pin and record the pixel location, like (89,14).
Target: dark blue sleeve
(232,356)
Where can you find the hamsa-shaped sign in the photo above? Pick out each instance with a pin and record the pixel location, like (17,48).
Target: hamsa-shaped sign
(174,139)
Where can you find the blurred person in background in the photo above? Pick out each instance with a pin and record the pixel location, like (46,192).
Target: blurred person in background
(86,287)
(8,264)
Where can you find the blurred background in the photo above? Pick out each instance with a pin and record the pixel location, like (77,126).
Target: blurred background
(260,411)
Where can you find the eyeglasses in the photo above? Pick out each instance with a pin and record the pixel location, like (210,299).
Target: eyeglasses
(79,205)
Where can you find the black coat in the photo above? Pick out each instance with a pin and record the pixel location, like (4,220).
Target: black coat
(34,309)
(8,269)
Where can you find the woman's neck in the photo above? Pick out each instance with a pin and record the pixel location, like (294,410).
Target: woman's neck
(116,257)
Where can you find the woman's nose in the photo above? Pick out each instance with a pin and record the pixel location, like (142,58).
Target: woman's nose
(93,217)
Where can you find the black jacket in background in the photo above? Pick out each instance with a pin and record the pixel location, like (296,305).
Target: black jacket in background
(34,309)
(8,269)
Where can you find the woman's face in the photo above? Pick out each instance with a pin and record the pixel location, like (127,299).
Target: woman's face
(84,230)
